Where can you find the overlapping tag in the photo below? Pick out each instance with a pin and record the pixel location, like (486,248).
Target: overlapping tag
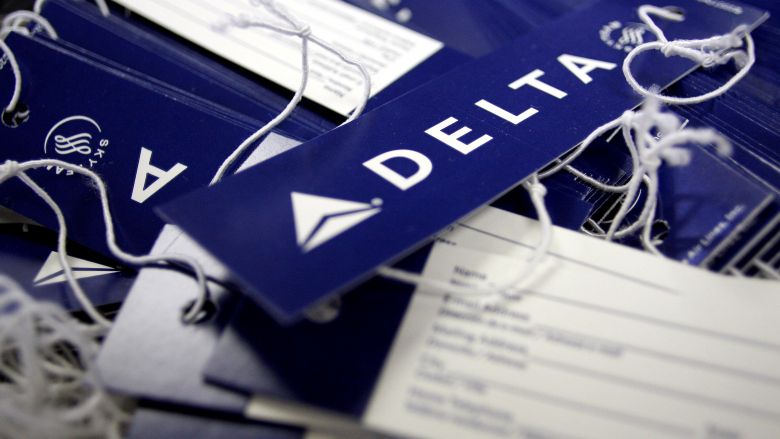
(148,143)
(318,220)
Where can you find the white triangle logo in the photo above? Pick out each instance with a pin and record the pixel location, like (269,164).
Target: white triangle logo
(320,219)
(52,273)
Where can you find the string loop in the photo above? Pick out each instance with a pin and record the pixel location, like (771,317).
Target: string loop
(656,137)
(11,169)
(17,91)
(304,32)
(101,4)
(708,52)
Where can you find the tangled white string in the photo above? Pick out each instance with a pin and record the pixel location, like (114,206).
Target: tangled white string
(101,4)
(708,52)
(11,169)
(17,91)
(304,32)
(48,384)
(652,137)
(14,22)
(17,19)
(537,192)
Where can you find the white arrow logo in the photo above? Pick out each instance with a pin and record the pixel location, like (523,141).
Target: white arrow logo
(52,273)
(320,219)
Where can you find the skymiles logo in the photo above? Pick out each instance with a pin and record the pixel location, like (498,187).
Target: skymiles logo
(320,219)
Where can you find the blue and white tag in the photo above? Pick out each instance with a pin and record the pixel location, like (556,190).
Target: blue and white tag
(318,220)
(149,145)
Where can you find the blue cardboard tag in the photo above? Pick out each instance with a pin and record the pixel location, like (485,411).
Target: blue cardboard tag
(148,146)
(29,255)
(705,205)
(169,355)
(317,220)
(167,60)
(143,46)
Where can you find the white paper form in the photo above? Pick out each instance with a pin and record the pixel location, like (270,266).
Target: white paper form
(386,49)
(606,342)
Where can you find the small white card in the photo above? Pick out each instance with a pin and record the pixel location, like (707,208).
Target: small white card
(386,49)
(606,342)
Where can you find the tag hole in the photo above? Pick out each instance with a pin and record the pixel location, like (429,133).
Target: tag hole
(208,311)
(17,116)
(325,313)
(660,230)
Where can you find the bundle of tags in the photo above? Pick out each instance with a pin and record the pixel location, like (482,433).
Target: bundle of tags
(390,218)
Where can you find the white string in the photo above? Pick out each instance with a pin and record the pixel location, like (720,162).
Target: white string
(537,192)
(631,228)
(666,149)
(708,52)
(12,169)
(16,19)
(17,92)
(281,12)
(48,382)
(302,31)
(652,152)
(13,22)
(101,4)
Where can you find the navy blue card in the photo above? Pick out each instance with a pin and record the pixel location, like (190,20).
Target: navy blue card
(170,61)
(311,362)
(149,146)
(318,220)
(168,355)
(332,365)
(705,204)
(152,423)
(29,255)
(145,47)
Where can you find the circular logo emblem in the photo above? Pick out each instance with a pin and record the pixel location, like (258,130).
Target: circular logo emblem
(623,37)
(77,139)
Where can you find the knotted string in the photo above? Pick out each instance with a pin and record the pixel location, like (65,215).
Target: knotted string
(14,22)
(11,169)
(653,137)
(304,32)
(11,57)
(48,384)
(17,19)
(708,52)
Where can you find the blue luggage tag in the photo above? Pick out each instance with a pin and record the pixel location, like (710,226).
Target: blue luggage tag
(743,159)
(176,64)
(349,351)
(169,353)
(706,204)
(29,255)
(752,140)
(165,88)
(136,43)
(320,219)
(148,146)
